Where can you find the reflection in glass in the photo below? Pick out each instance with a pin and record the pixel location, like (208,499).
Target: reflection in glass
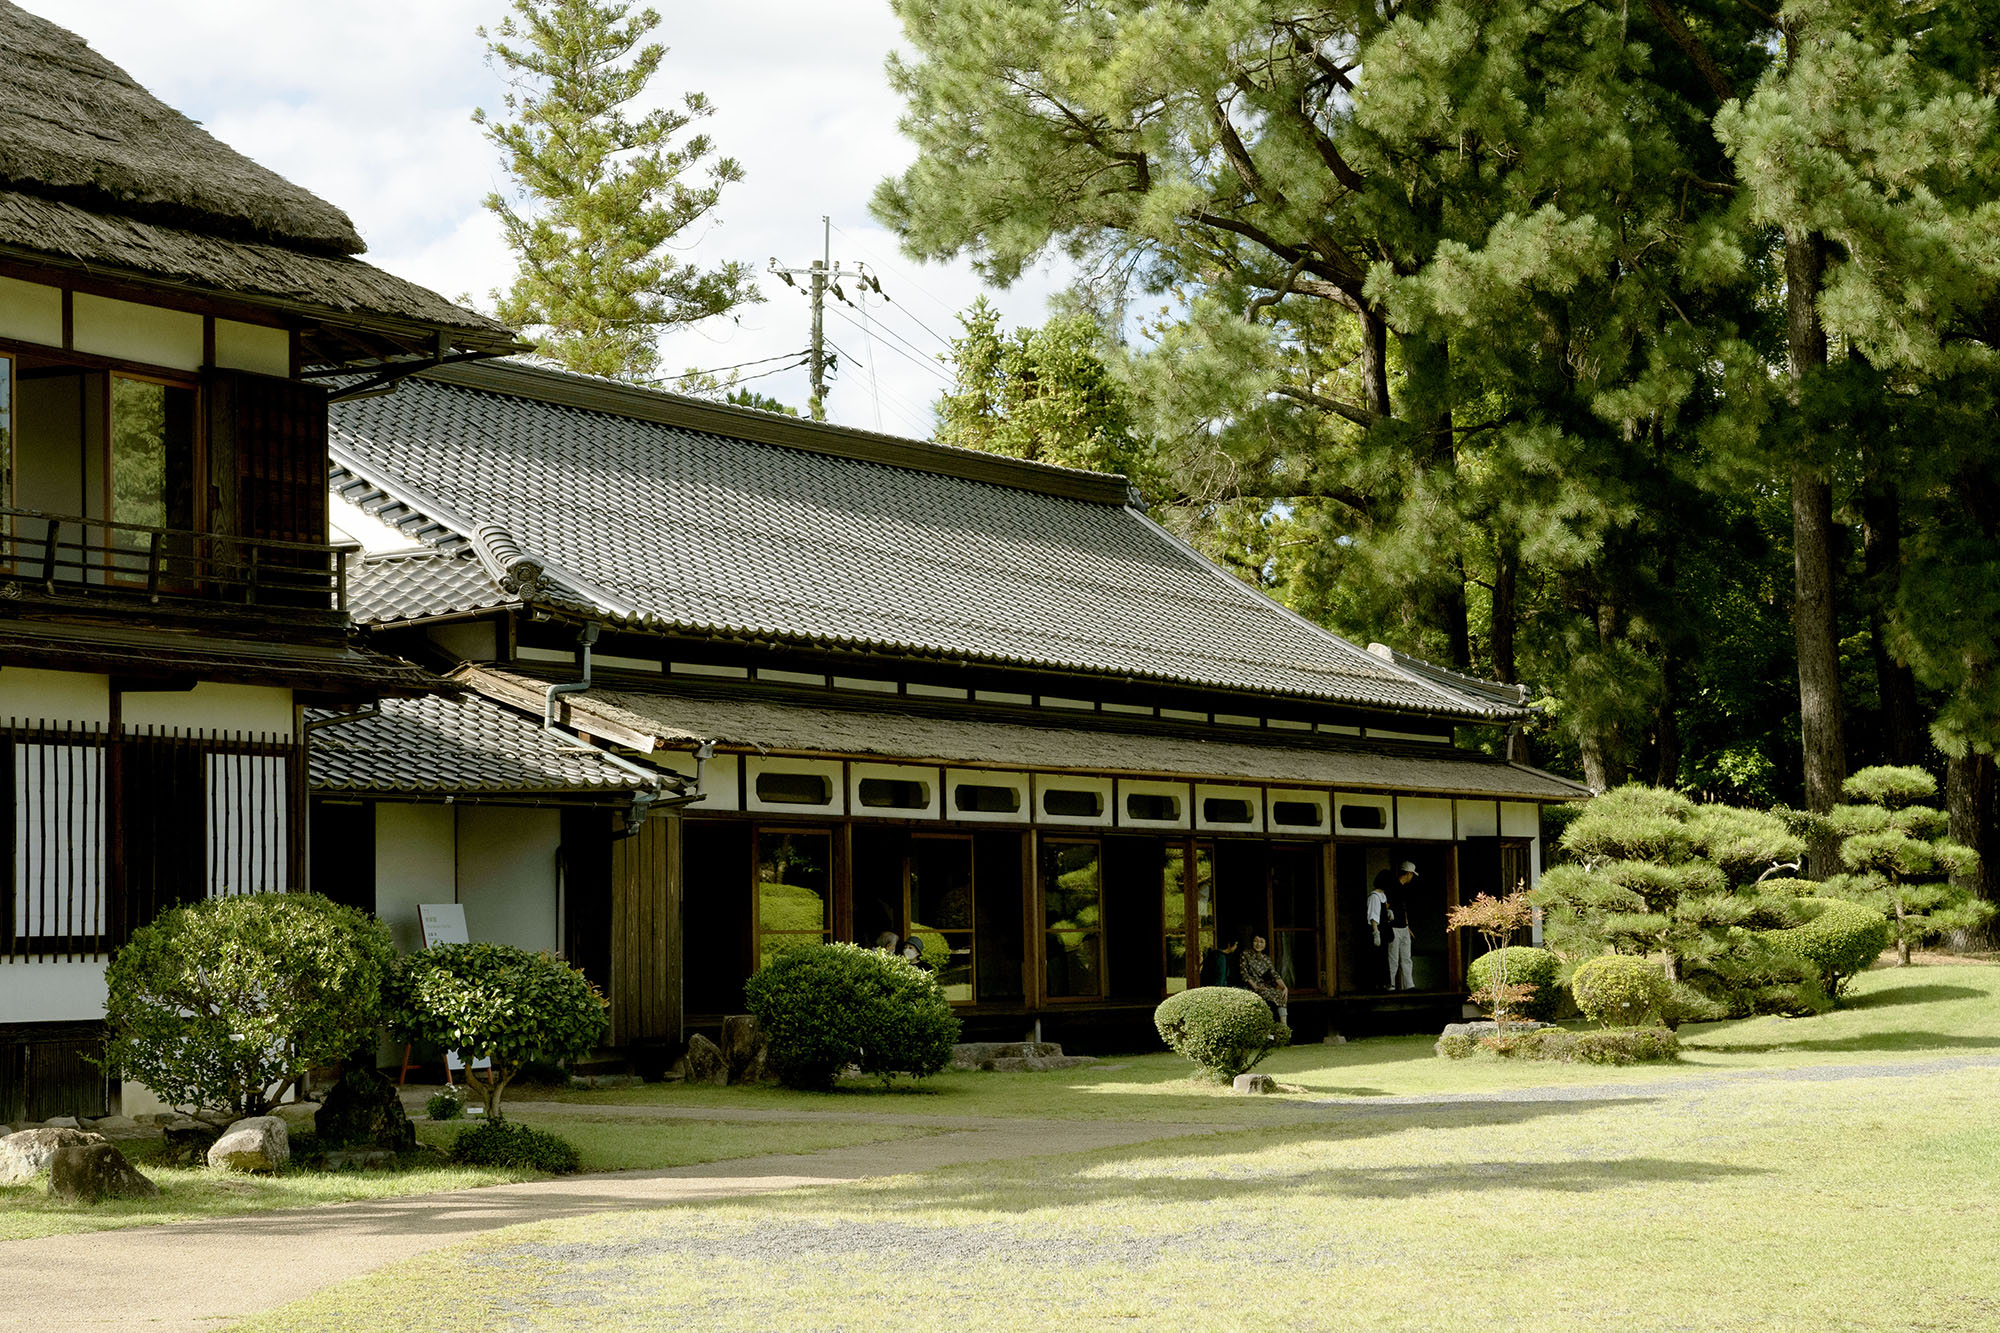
(794,898)
(1295,915)
(151,460)
(941,911)
(1072,906)
(1184,954)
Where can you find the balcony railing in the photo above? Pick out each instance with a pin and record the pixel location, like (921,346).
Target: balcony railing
(69,558)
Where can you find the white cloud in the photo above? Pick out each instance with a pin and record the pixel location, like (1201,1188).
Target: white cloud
(368,104)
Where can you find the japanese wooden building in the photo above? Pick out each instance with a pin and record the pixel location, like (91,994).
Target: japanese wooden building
(170,316)
(891,687)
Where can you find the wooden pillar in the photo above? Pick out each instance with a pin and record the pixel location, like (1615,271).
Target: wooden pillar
(1329,880)
(1454,942)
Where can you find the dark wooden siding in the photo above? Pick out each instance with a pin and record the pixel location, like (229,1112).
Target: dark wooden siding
(46,1070)
(267,460)
(646,934)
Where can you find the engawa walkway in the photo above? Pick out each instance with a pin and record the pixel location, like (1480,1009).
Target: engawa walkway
(201,1275)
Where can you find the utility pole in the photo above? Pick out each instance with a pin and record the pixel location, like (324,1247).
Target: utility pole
(821,277)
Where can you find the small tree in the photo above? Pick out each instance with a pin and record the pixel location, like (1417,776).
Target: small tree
(1496,919)
(493,1001)
(598,196)
(1898,858)
(226,1004)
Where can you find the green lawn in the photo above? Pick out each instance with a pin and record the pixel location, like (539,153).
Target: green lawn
(1789,1203)
(604,1144)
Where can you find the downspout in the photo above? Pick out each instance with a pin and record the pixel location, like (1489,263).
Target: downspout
(687,790)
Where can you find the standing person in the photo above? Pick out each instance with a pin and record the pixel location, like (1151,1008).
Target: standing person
(1218,965)
(1389,923)
(1260,976)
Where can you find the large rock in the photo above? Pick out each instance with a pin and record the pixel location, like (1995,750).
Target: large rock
(705,1062)
(96,1171)
(364,1110)
(1255,1083)
(188,1140)
(745,1049)
(258,1143)
(25,1155)
(299,1117)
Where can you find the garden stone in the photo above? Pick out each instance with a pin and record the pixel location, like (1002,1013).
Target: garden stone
(188,1140)
(26,1153)
(62,1122)
(117,1126)
(258,1143)
(364,1110)
(360,1159)
(705,1062)
(94,1171)
(1255,1083)
(745,1049)
(299,1117)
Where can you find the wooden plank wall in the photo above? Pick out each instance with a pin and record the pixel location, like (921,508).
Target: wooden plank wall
(646,934)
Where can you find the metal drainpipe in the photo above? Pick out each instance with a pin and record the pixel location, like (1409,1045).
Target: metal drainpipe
(642,801)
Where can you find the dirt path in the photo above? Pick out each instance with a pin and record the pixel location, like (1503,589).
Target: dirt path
(202,1275)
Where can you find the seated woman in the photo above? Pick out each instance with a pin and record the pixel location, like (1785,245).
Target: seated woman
(1260,976)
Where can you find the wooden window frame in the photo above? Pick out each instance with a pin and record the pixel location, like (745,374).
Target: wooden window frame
(758,830)
(972,887)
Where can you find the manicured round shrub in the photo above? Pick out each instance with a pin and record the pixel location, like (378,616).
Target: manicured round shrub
(1838,938)
(1524,967)
(507,1005)
(1625,1046)
(446,1105)
(225,1004)
(1225,1030)
(824,1007)
(1619,990)
(507,1144)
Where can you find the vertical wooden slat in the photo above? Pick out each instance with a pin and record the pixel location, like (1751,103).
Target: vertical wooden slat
(673,965)
(1454,943)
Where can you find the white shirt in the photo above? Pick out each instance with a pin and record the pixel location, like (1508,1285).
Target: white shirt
(1376,899)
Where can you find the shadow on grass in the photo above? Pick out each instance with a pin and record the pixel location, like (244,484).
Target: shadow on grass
(1874,1041)
(1918,993)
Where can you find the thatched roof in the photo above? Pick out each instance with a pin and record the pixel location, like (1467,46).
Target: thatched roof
(98,175)
(75,127)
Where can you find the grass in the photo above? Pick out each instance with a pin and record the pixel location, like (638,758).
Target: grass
(621,1144)
(1768,1204)
(1890,1012)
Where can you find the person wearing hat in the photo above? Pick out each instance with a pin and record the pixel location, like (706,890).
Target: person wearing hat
(1389,923)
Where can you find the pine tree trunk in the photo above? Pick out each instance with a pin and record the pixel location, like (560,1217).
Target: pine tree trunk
(1902,938)
(1972,794)
(1506,593)
(1375,363)
(1820,722)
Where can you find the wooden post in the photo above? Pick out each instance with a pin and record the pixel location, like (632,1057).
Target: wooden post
(1454,943)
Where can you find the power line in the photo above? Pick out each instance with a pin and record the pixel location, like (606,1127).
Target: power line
(915,358)
(740,365)
(907,275)
(921,421)
(889,332)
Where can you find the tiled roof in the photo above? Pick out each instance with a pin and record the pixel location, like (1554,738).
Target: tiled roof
(458,746)
(685,718)
(122,650)
(385,589)
(693,531)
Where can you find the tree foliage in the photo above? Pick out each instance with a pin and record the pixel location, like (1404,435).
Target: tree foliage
(598,194)
(1897,858)
(506,1005)
(226,1004)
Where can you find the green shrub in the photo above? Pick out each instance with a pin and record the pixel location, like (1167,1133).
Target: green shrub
(446,1105)
(1619,990)
(1224,1030)
(1685,1004)
(507,1005)
(1457,1045)
(1755,976)
(1610,1046)
(1838,938)
(500,1143)
(227,1003)
(827,1006)
(1524,966)
(1624,1046)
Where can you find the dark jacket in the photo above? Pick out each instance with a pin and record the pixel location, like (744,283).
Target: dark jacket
(1216,969)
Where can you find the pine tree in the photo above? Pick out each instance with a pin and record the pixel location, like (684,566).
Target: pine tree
(597,194)
(1897,858)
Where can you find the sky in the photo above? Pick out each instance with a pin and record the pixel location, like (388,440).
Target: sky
(368,104)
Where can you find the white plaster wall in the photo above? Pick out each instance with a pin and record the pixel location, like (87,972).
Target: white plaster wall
(415,847)
(1183,807)
(1478,819)
(30,312)
(507,874)
(1520,819)
(51,992)
(1254,795)
(925,778)
(212,707)
(1381,803)
(1423,817)
(33,695)
(132,332)
(253,347)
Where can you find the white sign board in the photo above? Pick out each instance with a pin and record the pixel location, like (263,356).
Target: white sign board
(444,923)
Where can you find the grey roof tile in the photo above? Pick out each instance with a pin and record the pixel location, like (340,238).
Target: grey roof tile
(385,589)
(461,746)
(693,531)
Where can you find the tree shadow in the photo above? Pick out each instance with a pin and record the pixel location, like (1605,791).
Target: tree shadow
(1877,1041)
(1917,993)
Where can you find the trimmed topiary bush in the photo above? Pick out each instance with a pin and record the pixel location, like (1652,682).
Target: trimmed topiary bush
(1685,1004)
(1624,1046)
(225,1004)
(1838,938)
(1618,990)
(824,1007)
(512,1007)
(1225,1030)
(501,1143)
(1756,976)
(1524,966)
(1614,1046)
